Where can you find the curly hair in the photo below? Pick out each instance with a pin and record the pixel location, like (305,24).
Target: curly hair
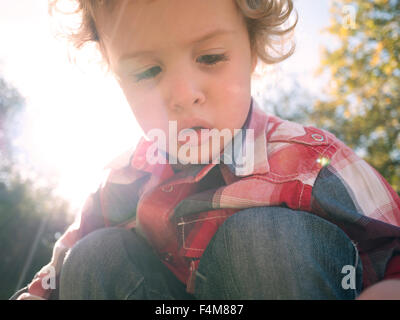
(267,22)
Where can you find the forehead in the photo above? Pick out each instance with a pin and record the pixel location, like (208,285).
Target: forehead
(158,23)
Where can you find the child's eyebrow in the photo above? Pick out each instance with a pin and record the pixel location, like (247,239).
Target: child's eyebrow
(205,37)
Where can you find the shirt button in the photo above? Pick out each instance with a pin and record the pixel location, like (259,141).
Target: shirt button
(167,188)
(168,257)
(140,163)
(318,137)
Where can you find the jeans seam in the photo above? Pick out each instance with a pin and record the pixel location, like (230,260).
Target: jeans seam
(142,282)
(165,296)
(230,271)
(135,288)
(142,279)
(356,250)
(357,258)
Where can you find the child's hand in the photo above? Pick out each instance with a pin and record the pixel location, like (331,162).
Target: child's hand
(27,296)
(384,290)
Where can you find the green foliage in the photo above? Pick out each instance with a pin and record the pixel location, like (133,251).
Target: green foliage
(23,210)
(27,212)
(294,103)
(11,104)
(363,108)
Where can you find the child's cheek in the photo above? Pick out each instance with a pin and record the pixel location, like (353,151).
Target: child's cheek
(147,108)
(235,83)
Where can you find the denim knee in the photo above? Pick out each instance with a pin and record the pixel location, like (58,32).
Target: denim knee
(91,269)
(278,253)
(114,263)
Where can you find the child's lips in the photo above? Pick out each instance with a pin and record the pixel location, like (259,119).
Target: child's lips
(194,132)
(193,123)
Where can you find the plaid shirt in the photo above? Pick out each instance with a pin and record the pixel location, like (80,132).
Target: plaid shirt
(302,168)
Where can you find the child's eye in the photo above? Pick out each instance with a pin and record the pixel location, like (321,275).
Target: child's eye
(211,59)
(148,74)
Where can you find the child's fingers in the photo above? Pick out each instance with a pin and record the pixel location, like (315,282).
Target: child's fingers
(27,296)
(384,290)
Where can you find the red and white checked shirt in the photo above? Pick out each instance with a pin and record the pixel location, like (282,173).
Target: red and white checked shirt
(295,166)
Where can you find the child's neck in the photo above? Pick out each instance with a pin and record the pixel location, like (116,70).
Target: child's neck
(178,167)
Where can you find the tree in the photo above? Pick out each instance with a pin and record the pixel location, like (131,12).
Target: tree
(293,103)
(30,216)
(11,104)
(363,99)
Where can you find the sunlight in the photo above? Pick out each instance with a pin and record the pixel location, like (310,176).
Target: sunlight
(76,136)
(77,119)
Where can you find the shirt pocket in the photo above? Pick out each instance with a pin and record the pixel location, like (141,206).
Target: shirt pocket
(196,231)
(295,160)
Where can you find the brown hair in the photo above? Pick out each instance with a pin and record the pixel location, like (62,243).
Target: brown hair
(266,23)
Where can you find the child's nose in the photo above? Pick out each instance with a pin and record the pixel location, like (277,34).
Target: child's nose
(184,91)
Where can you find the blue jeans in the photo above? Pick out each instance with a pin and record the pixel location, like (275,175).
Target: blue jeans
(258,253)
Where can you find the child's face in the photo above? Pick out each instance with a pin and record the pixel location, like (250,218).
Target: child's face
(181,60)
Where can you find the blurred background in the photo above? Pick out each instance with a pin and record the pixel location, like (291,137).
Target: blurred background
(61,123)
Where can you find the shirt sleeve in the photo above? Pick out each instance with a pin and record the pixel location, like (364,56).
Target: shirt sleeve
(87,220)
(354,196)
(117,184)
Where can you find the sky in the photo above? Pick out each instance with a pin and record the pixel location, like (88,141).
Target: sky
(77,119)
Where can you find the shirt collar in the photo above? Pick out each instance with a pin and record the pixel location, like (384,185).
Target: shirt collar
(256,122)
(250,147)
